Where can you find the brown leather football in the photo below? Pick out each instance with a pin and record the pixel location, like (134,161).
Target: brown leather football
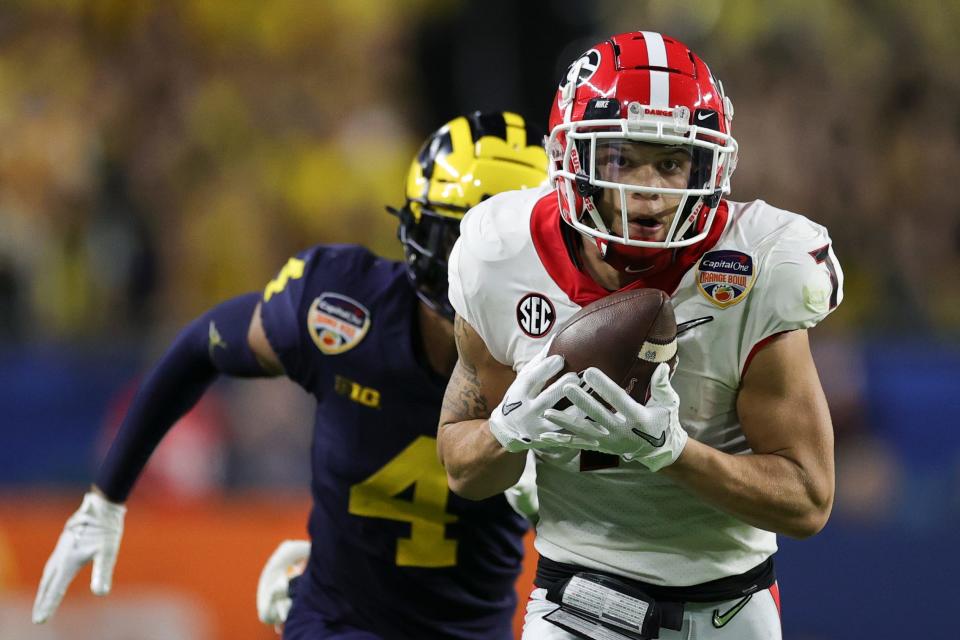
(626,335)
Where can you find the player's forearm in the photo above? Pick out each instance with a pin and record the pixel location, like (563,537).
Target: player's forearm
(214,343)
(477,466)
(768,491)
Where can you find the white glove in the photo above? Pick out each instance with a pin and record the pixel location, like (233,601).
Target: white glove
(93,532)
(649,434)
(285,563)
(518,423)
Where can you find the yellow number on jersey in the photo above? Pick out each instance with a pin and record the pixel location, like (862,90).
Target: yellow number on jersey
(290,271)
(416,465)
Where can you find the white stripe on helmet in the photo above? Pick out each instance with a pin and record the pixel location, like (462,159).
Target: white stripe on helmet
(659,80)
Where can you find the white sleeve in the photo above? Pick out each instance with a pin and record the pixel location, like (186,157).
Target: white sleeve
(469,272)
(455,283)
(469,292)
(800,284)
(484,262)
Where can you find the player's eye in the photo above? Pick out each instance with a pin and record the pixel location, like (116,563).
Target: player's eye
(669,165)
(615,160)
(674,165)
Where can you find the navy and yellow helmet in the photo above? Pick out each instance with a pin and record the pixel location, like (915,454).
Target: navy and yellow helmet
(462,163)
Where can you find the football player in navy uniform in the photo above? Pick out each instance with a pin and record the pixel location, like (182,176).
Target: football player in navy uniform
(394,554)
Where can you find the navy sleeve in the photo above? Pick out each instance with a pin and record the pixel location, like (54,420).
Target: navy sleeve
(214,343)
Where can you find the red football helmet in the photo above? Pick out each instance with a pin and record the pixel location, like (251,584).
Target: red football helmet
(635,90)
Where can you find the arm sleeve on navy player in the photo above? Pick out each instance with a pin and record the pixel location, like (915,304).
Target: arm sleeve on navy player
(214,343)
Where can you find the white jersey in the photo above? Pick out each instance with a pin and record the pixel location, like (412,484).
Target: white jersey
(768,271)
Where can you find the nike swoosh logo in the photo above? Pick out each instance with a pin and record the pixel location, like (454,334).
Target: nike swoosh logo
(214,339)
(721,619)
(509,407)
(656,442)
(630,269)
(703,116)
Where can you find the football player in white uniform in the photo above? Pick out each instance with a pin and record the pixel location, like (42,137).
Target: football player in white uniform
(659,517)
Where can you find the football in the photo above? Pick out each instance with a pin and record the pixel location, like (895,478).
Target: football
(626,335)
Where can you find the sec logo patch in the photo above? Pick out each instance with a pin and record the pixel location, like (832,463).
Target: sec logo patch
(337,323)
(535,315)
(725,277)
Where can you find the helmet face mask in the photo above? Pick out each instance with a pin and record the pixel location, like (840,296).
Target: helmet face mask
(426,244)
(461,164)
(640,90)
(638,187)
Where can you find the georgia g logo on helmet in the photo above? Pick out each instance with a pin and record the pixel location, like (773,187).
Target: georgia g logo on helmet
(583,68)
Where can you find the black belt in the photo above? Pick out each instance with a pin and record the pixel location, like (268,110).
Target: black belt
(762,576)
(593,604)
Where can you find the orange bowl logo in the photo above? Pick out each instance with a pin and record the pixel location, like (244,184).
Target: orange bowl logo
(723,293)
(725,277)
(337,323)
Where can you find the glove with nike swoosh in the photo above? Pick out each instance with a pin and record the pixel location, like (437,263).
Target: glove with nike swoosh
(518,423)
(650,434)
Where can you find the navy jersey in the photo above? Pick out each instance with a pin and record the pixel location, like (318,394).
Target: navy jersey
(394,551)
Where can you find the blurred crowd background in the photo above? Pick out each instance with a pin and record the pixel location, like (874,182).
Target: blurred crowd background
(157,157)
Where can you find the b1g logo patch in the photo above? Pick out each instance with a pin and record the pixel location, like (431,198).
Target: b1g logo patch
(535,315)
(725,277)
(337,323)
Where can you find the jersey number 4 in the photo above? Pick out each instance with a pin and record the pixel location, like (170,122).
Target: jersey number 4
(375,497)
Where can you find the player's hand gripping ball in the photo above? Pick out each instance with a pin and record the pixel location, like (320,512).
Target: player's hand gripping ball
(625,335)
(625,345)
